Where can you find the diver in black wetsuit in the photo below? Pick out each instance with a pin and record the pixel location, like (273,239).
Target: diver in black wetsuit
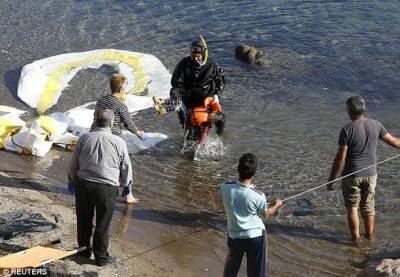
(195,78)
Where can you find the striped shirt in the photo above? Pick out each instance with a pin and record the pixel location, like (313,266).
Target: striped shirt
(122,117)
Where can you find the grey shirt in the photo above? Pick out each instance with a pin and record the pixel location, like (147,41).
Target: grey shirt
(361,138)
(101,157)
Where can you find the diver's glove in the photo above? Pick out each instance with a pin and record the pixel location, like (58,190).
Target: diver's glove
(71,187)
(144,136)
(127,190)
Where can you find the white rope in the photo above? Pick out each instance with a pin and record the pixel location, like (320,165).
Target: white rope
(340,178)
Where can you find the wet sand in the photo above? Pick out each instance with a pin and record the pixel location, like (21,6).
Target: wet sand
(146,241)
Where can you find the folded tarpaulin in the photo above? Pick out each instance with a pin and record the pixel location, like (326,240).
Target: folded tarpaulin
(20,222)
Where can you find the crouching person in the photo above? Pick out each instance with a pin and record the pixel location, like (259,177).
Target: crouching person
(100,163)
(244,206)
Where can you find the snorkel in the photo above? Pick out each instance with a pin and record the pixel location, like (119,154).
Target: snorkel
(203,41)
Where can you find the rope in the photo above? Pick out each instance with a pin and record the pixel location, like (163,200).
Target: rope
(340,178)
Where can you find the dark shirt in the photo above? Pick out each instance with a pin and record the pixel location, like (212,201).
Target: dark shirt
(122,117)
(361,138)
(193,83)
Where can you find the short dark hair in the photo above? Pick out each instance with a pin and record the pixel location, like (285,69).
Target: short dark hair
(247,166)
(356,105)
(117,82)
(105,118)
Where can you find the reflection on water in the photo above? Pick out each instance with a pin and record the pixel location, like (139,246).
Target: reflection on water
(288,113)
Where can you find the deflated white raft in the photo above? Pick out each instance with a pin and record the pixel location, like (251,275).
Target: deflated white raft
(10,122)
(42,82)
(37,136)
(7,112)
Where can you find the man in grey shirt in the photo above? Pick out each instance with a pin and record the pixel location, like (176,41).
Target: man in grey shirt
(357,150)
(99,165)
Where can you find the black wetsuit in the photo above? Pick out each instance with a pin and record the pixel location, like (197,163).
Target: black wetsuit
(192,83)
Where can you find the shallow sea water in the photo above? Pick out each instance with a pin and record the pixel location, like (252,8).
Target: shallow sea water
(289,114)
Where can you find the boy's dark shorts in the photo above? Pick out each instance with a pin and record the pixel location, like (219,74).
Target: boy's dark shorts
(360,192)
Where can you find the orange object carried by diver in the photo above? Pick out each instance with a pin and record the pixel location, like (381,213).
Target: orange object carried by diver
(203,115)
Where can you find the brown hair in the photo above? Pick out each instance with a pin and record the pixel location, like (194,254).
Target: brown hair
(117,82)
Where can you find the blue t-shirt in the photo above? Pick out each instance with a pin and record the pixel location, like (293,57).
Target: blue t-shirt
(243,206)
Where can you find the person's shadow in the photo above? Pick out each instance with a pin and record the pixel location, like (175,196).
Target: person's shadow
(171,217)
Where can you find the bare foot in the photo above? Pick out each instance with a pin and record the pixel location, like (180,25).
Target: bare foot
(370,237)
(356,242)
(129,199)
(159,106)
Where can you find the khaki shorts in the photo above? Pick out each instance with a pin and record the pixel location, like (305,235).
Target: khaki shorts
(360,192)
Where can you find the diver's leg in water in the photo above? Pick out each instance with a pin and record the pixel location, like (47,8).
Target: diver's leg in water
(354,223)
(203,136)
(183,114)
(220,124)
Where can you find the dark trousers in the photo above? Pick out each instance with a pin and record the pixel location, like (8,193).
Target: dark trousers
(90,196)
(255,249)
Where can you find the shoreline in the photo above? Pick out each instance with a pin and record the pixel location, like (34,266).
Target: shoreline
(147,244)
(146,239)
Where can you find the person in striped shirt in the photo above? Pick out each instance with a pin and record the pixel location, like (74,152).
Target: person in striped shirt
(113,101)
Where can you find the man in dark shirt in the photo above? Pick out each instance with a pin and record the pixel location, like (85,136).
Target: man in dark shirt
(357,150)
(122,117)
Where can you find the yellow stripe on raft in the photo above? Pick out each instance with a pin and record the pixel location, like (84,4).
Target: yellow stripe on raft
(8,128)
(109,57)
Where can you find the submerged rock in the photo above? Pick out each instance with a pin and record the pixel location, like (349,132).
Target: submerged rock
(387,267)
(304,207)
(280,62)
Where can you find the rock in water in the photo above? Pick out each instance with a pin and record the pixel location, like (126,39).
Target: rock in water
(304,207)
(386,268)
(249,54)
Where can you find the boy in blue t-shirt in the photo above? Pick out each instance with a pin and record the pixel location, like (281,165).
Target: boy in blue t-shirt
(244,206)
